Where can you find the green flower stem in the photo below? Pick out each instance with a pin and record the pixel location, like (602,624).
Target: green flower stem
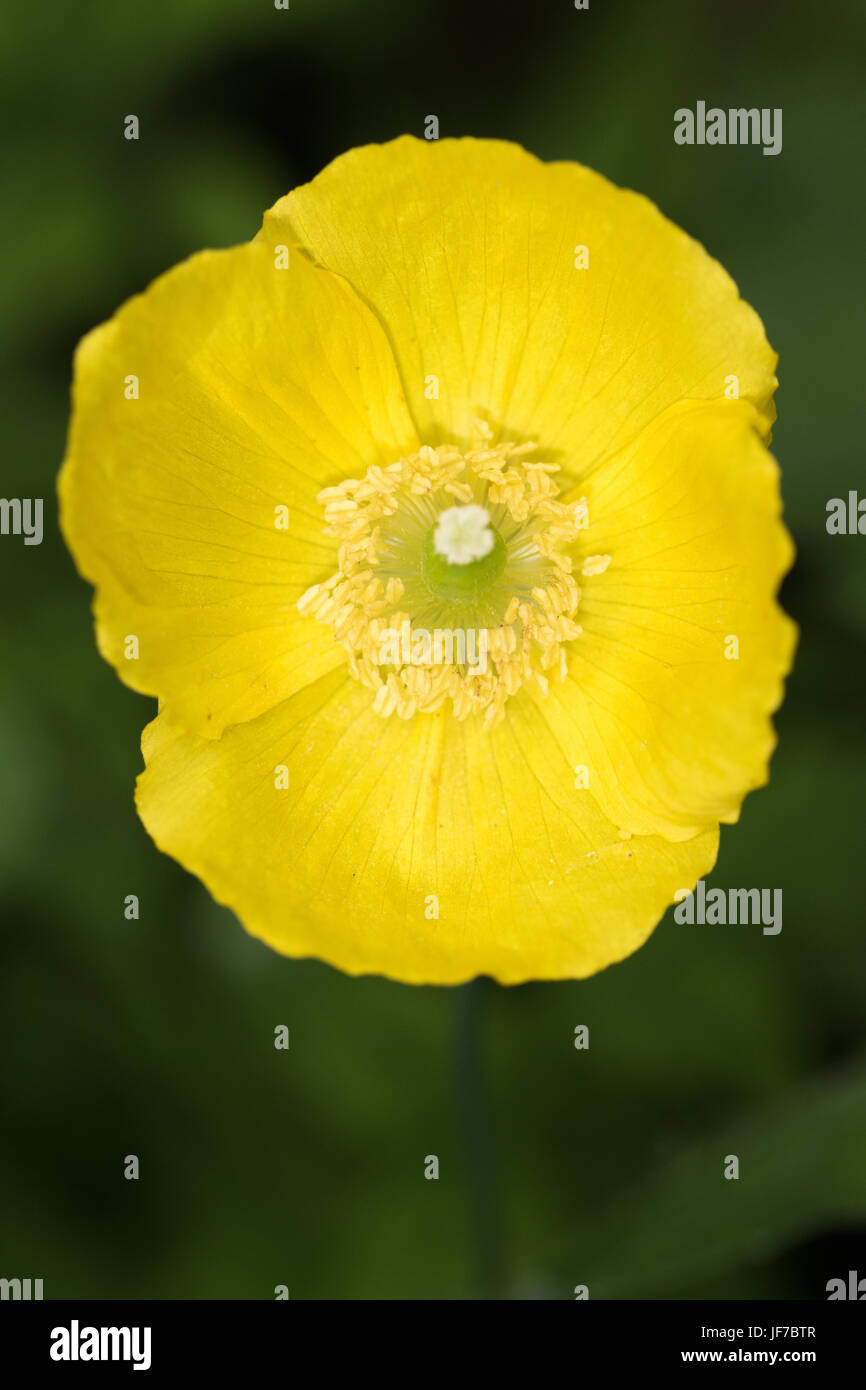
(474,1116)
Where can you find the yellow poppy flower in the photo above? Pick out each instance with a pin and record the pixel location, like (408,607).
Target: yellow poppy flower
(448,389)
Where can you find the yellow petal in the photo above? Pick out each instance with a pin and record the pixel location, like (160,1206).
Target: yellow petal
(467,248)
(426,851)
(256,386)
(683,652)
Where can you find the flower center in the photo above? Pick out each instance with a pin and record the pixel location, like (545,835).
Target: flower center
(454,579)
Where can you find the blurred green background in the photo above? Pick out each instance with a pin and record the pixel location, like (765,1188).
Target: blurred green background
(155,1037)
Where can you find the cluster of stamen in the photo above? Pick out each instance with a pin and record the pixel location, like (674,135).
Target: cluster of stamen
(521,621)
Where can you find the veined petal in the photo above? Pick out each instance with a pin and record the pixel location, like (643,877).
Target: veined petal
(467,250)
(427,850)
(683,652)
(208,414)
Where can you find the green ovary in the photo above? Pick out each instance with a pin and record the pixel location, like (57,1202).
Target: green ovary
(461,583)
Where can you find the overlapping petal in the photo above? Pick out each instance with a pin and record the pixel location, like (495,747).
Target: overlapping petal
(683,652)
(257,386)
(428,851)
(466,250)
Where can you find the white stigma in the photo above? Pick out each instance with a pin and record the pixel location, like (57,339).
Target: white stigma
(463,534)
